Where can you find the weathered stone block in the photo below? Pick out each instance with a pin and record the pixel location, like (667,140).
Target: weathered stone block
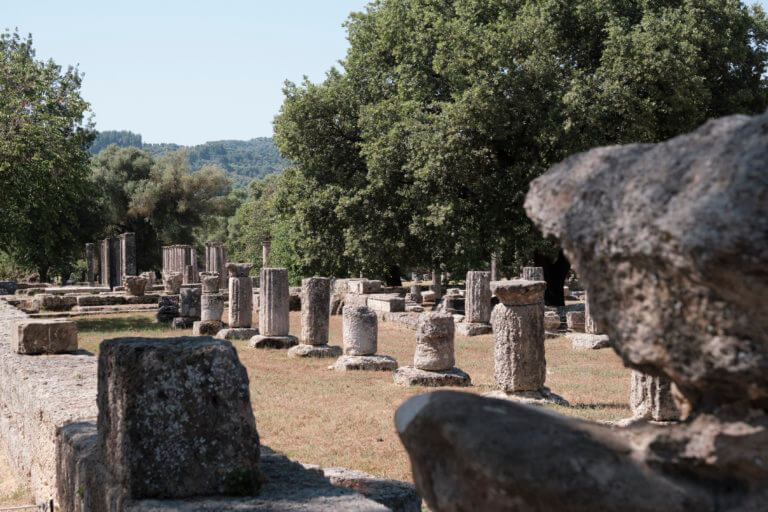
(386,303)
(175,418)
(303,350)
(211,306)
(360,331)
(240,301)
(206,327)
(172,282)
(412,376)
(315,310)
(477,308)
(43,336)
(55,302)
(210,282)
(575,321)
(273,302)
(651,398)
(190,302)
(370,363)
(134,285)
(434,342)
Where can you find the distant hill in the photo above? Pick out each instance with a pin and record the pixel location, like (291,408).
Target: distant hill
(244,160)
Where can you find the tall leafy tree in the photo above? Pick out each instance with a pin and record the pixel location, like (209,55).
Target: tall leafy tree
(44,137)
(451,107)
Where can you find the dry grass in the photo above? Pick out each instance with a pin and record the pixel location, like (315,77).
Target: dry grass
(329,418)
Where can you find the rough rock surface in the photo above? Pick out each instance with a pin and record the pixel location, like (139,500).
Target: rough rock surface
(680,226)
(582,341)
(551,321)
(371,362)
(303,350)
(237,333)
(43,336)
(412,376)
(651,398)
(360,331)
(190,302)
(533,274)
(575,321)
(315,310)
(273,302)
(135,285)
(518,292)
(172,282)
(396,495)
(239,269)
(161,431)
(276,342)
(468,329)
(211,306)
(478,297)
(210,282)
(168,308)
(206,327)
(434,342)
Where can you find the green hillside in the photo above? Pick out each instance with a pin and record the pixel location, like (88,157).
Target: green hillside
(244,160)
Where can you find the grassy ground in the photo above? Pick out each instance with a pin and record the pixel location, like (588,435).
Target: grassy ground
(329,418)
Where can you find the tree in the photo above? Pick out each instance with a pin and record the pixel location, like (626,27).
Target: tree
(44,137)
(447,109)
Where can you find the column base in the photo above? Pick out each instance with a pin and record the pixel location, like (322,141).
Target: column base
(279,342)
(237,333)
(369,363)
(412,376)
(473,329)
(326,350)
(540,397)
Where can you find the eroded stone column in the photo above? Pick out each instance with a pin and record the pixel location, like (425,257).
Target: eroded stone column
(315,320)
(433,359)
(128,254)
(651,398)
(436,286)
(89,266)
(274,310)
(477,305)
(240,295)
(520,368)
(360,330)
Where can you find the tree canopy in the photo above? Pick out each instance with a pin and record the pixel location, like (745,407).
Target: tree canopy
(420,150)
(44,137)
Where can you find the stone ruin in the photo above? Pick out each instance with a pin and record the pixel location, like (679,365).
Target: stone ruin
(216,262)
(240,304)
(274,320)
(315,320)
(211,306)
(477,305)
(670,242)
(360,334)
(117,259)
(181,259)
(433,359)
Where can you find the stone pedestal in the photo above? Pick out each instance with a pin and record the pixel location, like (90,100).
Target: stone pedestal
(433,360)
(365,363)
(134,286)
(179,429)
(520,368)
(651,398)
(477,305)
(315,318)
(211,307)
(273,311)
(172,282)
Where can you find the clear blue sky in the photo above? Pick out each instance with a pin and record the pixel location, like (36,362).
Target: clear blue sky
(188,71)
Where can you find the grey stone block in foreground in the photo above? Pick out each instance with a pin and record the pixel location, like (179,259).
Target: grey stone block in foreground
(175,418)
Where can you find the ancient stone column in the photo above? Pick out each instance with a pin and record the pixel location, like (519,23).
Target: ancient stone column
(590,327)
(360,330)
(172,282)
(89,275)
(216,260)
(434,342)
(211,307)
(436,286)
(240,295)
(433,359)
(134,285)
(274,308)
(651,398)
(209,282)
(128,254)
(494,266)
(478,297)
(315,310)
(415,294)
(266,246)
(518,333)
(533,273)
(189,274)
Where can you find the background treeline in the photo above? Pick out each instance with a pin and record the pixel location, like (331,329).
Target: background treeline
(415,153)
(243,160)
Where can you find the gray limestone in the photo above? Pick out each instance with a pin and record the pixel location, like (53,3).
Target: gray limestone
(206,327)
(478,297)
(237,333)
(434,342)
(134,285)
(210,282)
(43,336)
(90,275)
(575,321)
(190,302)
(172,282)
(240,301)
(412,376)
(347,363)
(651,398)
(315,310)
(211,306)
(359,331)
(533,274)
(303,350)
(273,302)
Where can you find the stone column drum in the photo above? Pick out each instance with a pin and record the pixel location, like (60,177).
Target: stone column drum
(651,398)
(240,296)
(533,273)
(433,360)
(477,305)
(274,309)
(360,330)
(315,310)
(89,273)
(520,368)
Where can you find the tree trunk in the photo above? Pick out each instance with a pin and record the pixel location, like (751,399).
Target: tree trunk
(555,273)
(392,276)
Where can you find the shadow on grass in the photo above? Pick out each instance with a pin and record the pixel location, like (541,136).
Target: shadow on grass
(130,323)
(609,405)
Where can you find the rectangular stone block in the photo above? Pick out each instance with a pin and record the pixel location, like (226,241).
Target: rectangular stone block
(43,336)
(55,302)
(175,418)
(575,321)
(387,304)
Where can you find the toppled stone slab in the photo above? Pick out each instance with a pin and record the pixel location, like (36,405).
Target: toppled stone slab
(473,329)
(583,341)
(386,303)
(276,342)
(542,396)
(408,319)
(55,302)
(237,333)
(366,363)
(303,350)
(394,494)
(412,376)
(161,430)
(43,336)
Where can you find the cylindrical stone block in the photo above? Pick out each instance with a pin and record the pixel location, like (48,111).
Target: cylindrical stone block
(436,286)
(590,327)
(518,332)
(533,273)
(434,342)
(274,297)
(360,331)
(478,297)
(240,301)
(211,306)
(210,282)
(190,302)
(315,310)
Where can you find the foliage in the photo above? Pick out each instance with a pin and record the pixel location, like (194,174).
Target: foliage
(421,151)
(44,188)
(243,160)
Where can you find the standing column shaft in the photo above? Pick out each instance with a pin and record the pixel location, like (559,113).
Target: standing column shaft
(478,297)
(436,286)
(240,301)
(89,263)
(315,310)
(273,302)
